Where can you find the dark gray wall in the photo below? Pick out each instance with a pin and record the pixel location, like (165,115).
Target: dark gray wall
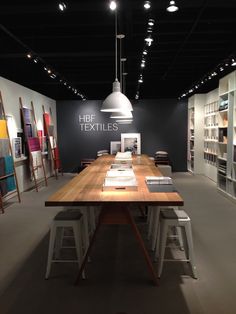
(162,124)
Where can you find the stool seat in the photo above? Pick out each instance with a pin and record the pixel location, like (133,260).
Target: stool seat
(68,215)
(171,213)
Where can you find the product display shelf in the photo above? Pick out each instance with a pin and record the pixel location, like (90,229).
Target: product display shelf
(8,179)
(49,131)
(195,155)
(33,143)
(226,166)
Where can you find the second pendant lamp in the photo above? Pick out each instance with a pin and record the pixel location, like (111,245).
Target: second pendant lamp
(116,101)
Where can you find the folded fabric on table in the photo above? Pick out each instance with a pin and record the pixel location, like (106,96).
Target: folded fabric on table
(3,182)
(9,168)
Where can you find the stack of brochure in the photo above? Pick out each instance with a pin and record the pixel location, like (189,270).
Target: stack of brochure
(120,179)
(158,180)
(121,166)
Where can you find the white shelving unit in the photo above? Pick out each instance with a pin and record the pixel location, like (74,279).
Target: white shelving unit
(226,162)
(211,134)
(195,155)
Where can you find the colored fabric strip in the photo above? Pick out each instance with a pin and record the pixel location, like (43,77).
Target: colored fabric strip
(3,182)
(37,164)
(27,115)
(34,144)
(46,122)
(9,168)
(4,147)
(57,162)
(3,129)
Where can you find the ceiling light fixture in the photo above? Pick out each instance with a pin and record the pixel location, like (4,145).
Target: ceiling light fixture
(116,101)
(29,55)
(172,7)
(147,5)
(151,22)
(62,6)
(126,121)
(149,40)
(113,5)
(121,115)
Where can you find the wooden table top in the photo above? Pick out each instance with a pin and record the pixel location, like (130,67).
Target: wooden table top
(86,187)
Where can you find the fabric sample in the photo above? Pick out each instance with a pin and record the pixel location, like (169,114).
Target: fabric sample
(3,182)
(3,129)
(46,121)
(9,168)
(50,130)
(4,147)
(57,162)
(37,164)
(27,115)
(34,144)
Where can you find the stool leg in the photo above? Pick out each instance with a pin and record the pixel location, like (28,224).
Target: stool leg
(58,241)
(85,228)
(150,214)
(189,239)
(180,238)
(163,238)
(155,226)
(92,218)
(50,250)
(78,244)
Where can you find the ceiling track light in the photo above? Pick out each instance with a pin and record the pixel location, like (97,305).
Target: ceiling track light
(151,22)
(113,5)
(29,55)
(172,7)
(147,5)
(148,40)
(62,6)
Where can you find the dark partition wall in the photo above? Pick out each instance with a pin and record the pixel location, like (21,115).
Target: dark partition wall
(83,130)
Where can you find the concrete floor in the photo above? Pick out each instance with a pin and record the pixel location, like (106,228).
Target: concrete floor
(117,278)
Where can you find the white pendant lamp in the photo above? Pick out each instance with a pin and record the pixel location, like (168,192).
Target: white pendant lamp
(116,101)
(122,115)
(126,121)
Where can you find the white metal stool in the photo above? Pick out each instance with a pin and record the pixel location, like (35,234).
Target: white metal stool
(154,227)
(178,218)
(62,220)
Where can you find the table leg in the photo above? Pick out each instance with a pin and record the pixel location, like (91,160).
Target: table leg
(118,215)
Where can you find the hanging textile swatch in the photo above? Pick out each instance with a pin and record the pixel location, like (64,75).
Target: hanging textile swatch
(57,162)
(4,147)
(34,144)
(46,122)
(3,182)
(3,129)
(37,164)
(27,115)
(9,169)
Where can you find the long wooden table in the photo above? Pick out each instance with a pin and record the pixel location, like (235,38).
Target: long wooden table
(86,190)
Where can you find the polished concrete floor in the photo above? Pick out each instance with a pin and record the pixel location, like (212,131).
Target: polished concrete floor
(118,281)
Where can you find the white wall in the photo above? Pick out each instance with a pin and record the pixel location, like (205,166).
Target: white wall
(10,93)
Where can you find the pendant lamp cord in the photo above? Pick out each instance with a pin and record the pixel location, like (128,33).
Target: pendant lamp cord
(120,67)
(116,42)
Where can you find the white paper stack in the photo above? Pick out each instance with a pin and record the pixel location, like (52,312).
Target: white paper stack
(158,180)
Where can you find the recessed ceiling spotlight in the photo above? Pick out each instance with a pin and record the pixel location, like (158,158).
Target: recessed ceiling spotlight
(36,60)
(233,62)
(62,6)
(113,5)
(144,52)
(172,7)
(142,65)
(140,80)
(147,5)
(151,22)
(149,30)
(29,55)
